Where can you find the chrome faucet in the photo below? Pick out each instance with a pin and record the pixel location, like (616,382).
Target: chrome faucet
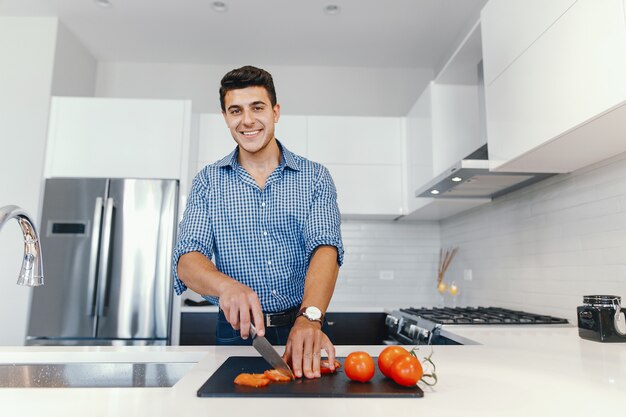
(31,274)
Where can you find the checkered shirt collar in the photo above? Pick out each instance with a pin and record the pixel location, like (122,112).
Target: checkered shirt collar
(288,159)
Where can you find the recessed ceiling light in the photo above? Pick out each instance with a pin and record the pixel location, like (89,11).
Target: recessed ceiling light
(332,9)
(103,3)
(219,6)
(434,192)
(456,179)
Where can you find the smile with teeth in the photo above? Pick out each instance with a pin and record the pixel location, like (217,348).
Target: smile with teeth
(251,133)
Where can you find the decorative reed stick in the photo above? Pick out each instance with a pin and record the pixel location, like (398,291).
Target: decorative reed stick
(445,257)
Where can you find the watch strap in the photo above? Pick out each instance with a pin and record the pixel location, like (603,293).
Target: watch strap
(303,311)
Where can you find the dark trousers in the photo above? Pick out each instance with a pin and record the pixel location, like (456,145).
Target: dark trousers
(277,336)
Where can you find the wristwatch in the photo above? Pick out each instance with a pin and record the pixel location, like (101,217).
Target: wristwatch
(312,313)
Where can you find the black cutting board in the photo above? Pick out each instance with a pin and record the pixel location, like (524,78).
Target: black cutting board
(221,384)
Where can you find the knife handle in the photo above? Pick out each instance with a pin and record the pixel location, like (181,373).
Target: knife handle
(252,331)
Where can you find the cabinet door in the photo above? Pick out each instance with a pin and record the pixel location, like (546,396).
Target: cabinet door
(509,27)
(214,139)
(560,106)
(198,329)
(455,124)
(354,140)
(368,190)
(418,148)
(291,132)
(103,137)
(357,328)
(364,157)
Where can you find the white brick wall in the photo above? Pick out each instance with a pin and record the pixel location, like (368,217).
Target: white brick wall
(542,248)
(409,250)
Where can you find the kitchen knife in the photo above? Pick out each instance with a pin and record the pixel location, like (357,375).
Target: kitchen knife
(268,352)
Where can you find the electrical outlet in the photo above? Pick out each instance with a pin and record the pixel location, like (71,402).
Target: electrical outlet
(467,274)
(385,275)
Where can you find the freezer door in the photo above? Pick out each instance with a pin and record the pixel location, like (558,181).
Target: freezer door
(135,280)
(70,229)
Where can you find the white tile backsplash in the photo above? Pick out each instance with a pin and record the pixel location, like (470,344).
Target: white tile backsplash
(409,250)
(542,248)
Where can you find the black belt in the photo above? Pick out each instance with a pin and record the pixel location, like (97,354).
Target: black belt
(283,318)
(279,319)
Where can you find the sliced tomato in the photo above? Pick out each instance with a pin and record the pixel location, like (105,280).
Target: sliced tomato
(252,380)
(325,366)
(276,375)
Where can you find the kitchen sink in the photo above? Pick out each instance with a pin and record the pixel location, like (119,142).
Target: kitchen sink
(93,374)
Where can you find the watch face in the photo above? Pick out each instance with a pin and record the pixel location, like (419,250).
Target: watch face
(313,313)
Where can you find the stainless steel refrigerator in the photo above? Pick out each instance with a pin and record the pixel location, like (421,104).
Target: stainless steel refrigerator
(107,247)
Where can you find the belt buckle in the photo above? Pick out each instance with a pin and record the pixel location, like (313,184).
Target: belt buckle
(268,320)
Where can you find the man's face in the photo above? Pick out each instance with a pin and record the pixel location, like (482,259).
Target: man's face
(250,117)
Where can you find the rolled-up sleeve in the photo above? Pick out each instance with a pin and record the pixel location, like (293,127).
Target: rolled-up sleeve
(195,232)
(323,225)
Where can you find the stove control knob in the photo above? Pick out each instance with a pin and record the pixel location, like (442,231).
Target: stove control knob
(391,321)
(424,334)
(413,331)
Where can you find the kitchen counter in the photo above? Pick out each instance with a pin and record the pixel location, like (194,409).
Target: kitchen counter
(512,371)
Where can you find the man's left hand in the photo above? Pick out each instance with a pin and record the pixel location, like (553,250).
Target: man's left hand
(304,346)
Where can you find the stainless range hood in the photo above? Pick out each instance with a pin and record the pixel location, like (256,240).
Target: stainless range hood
(471,178)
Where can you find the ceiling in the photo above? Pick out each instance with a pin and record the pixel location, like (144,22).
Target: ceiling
(365,33)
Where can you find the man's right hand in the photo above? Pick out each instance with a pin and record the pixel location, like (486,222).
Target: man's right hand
(240,305)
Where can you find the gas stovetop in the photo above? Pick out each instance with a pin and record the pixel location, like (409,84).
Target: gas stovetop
(480,315)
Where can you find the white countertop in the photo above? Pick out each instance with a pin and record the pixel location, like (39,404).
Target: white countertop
(514,371)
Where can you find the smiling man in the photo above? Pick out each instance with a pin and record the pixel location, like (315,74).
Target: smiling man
(269,219)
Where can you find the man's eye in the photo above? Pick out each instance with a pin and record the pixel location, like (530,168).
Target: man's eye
(258,108)
(234,111)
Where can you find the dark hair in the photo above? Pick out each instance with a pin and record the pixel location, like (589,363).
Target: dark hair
(247,76)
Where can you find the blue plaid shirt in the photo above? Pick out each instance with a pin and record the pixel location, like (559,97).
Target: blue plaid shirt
(263,238)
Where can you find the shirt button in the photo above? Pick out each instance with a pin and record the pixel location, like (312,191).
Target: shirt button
(269,263)
(263,204)
(274,292)
(264,233)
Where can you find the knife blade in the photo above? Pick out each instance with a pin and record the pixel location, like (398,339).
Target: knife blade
(267,351)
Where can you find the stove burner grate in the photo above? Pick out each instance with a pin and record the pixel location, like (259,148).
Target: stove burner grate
(481,315)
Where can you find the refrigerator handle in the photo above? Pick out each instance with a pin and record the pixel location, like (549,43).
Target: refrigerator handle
(103,274)
(93,256)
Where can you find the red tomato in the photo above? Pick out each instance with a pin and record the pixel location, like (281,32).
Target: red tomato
(359,366)
(325,368)
(387,356)
(406,370)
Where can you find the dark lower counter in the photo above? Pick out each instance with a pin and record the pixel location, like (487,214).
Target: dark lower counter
(347,328)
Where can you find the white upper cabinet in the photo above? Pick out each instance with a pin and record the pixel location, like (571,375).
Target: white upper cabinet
(455,105)
(291,131)
(455,124)
(214,139)
(355,140)
(364,156)
(560,104)
(443,127)
(368,191)
(418,149)
(509,27)
(106,137)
